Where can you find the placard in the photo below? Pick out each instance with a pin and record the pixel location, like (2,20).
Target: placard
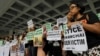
(48,26)
(62,20)
(38,34)
(54,35)
(75,38)
(30,24)
(30,36)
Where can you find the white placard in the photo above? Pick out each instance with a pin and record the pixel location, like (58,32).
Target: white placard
(59,20)
(62,20)
(54,35)
(30,24)
(75,38)
(65,20)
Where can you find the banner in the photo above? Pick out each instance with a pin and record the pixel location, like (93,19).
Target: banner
(38,37)
(48,26)
(30,35)
(30,24)
(75,39)
(54,35)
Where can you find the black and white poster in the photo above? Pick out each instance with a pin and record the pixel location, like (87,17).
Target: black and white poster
(30,24)
(75,38)
(54,35)
(62,20)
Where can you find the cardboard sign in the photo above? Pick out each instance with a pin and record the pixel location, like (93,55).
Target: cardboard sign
(75,38)
(38,37)
(54,35)
(30,24)
(48,26)
(30,36)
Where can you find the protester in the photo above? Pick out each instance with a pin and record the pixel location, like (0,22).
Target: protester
(91,25)
(69,17)
(49,46)
(29,47)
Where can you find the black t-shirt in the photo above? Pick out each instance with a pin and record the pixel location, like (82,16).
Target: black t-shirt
(30,43)
(32,49)
(53,47)
(92,38)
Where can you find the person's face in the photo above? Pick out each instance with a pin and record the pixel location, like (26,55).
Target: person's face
(69,15)
(32,29)
(20,37)
(74,9)
(55,28)
(44,28)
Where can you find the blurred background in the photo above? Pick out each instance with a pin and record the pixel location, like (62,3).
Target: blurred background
(14,14)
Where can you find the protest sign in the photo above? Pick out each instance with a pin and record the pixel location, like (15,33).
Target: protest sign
(62,20)
(30,24)
(75,38)
(54,35)
(38,37)
(48,26)
(30,35)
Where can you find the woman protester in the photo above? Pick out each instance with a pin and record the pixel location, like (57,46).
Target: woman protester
(91,25)
(30,50)
(52,48)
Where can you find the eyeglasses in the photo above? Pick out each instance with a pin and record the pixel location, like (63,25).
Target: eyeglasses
(71,7)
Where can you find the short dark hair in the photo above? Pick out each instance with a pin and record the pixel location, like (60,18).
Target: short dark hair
(79,5)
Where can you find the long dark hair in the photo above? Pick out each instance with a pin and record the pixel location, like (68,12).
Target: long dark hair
(79,5)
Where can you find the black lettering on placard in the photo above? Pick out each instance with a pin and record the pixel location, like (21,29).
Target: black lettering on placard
(75,42)
(74,29)
(52,34)
(75,36)
(71,36)
(82,41)
(79,28)
(68,31)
